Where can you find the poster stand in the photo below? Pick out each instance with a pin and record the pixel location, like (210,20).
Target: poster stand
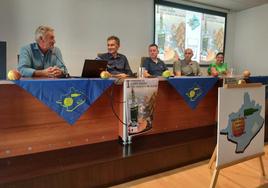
(217,169)
(213,158)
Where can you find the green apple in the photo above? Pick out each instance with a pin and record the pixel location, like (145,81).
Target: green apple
(166,74)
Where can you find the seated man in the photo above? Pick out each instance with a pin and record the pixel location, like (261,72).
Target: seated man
(42,59)
(186,67)
(153,66)
(118,64)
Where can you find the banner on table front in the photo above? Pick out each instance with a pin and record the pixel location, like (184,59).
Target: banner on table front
(193,89)
(69,98)
(139,98)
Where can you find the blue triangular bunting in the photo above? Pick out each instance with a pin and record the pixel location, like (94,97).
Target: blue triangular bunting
(193,89)
(69,98)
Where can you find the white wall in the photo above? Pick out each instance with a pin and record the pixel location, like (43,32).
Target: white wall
(229,41)
(251,41)
(81,27)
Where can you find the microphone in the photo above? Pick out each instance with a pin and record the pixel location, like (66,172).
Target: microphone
(66,74)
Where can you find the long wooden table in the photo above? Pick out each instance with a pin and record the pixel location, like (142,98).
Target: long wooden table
(39,149)
(28,126)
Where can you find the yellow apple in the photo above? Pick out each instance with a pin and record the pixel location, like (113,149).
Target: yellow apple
(105,75)
(166,74)
(13,75)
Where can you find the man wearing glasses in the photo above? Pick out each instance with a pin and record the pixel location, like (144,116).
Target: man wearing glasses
(186,67)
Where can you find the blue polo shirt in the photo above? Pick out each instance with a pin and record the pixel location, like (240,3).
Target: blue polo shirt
(116,65)
(154,69)
(31,59)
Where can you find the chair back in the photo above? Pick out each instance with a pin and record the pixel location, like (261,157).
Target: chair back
(142,61)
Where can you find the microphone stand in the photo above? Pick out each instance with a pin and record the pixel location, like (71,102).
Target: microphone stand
(64,75)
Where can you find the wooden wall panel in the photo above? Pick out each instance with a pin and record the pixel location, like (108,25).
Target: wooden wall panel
(28,126)
(173,113)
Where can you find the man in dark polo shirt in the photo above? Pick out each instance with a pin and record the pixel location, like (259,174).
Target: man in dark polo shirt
(153,66)
(118,65)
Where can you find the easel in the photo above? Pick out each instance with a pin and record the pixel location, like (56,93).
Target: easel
(214,155)
(218,168)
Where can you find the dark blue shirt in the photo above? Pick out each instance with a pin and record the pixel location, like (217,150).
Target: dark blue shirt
(154,69)
(116,65)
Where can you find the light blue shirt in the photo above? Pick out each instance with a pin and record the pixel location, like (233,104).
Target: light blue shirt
(31,59)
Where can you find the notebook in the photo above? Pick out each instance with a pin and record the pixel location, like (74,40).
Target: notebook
(93,68)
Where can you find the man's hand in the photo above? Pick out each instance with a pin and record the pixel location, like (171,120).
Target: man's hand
(56,71)
(146,74)
(121,75)
(51,72)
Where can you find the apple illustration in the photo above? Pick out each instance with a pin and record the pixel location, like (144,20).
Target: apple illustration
(13,75)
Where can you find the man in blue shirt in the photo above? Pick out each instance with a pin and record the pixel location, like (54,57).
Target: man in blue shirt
(118,64)
(153,66)
(42,59)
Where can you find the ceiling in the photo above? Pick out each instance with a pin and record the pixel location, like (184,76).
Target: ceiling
(230,5)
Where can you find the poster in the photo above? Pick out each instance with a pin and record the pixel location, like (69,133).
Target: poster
(177,29)
(139,103)
(241,119)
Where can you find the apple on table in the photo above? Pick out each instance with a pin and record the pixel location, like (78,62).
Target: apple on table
(166,74)
(13,75)
(105,75)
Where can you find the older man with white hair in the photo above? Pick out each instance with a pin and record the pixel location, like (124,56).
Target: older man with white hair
(42,59)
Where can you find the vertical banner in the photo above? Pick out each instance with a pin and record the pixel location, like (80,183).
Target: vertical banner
(241,113)
(139,103)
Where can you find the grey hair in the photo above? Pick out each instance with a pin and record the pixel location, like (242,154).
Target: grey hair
(41,32)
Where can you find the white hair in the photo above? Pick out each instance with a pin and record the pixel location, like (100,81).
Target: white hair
(41,31)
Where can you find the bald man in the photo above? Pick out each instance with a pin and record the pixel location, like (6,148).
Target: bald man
(186,67)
